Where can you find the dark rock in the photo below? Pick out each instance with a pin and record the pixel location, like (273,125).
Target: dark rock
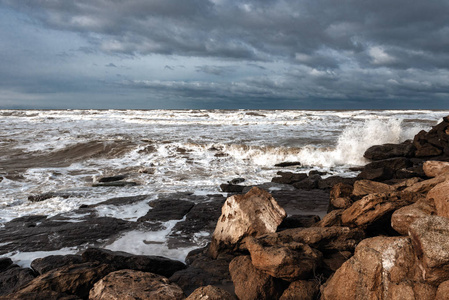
(309,183)
(119,260)
(14,278)
(288,164)
(45,264)
(115,183)
(236,180)
(5,262)
(289,177)
(384,169)
(381,152)
(296,221)
(330,181)
(316,172)
(121,201)
(302,202)
(49,195)
(42,295)
(166,210)
(231,188)
(112,178)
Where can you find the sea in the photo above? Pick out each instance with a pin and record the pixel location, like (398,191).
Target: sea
(167,151)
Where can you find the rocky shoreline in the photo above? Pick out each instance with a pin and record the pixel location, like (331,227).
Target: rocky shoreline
(385,236)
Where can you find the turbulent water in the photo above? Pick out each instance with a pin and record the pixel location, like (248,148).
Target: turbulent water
(167,151)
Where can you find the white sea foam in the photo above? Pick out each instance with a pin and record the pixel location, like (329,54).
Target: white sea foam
(24,259)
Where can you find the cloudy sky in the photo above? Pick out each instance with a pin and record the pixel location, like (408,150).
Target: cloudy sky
(298,54)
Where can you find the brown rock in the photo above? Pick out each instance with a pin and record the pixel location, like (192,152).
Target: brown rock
(210,292)
(289,177)
(333,261)
(45,264)
(14,278)
(434,168)
(331,219)
(443,291)
(439,195)
(301,290)
(43,295)
(251,283)
(341,203)
(405,216)
(373,207)
(340,195)
(366,187)
(291,262)
(430,237)
(427,150)
(296,221)
(378,267)
(135,285)
(425,186)
(253,214)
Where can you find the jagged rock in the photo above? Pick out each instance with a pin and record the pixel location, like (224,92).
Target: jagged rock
(288,262)
(135,285)
(251,283)
(301,290)
(296,221)
(439,195)
(122,260)
(443,291)
(384,169)
(423,187)
(45,264)
(434,168)
(405,183)
(13,278)
(166,210)
(210,292)
(380,152)
(289,177)
(381,268)
(405,216)
(373,207)
(340,196)
(366,187)
(330,181)
(254,213)
(430,237)
(73,279)
(331,219)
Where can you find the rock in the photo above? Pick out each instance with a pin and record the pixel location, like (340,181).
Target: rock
(443,291)
(330,181)
(122,260)
(237,180)
(5,262)
(384,169)
(308,183)
(49,195)
(288,164)
(166,210)
(13,278)
(331,219)
(45,264)
(288,262)
(119,201)
(341,190)
(231,188)
(115,183)
(135,285)
(296,221)
(301,202)
(423,187)
(366,187)
(203,270)
(334,260)
(381,268)
(289,177)
(434,168)
(44,295)
(380,152)
(430,237)
(405,216)
(301,290)
(251,283)
(373,207)
(210,292)
(439,195)
(112,178)
(254,213)
(73,279)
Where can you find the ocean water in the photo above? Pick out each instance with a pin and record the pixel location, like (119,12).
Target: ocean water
(167,151)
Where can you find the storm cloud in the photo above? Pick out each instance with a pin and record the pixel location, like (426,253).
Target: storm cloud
(291,54)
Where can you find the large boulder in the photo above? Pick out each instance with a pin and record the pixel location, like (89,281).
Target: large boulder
(439,195)
(366,187)
(301,290)
(135,285)
(384,169)
(434,168)
(405,216)
(251,283)
(210,292)
(430,237)
(380,152)
(253,214)
(381,268)
(423,187)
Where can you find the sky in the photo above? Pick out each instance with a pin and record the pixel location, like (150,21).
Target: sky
(228,54)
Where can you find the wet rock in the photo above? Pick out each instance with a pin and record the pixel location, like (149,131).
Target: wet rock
(115,184)
(289,177)
(45,264)
(288,164)
(254,213)
(112,178)
(405,216)
(231,188)
(210,292)
(330,181)
(122,260)
(434,168)
(366,187)
(5,262)
(289,262)
(73,279)
(309,183)
(439,195)
(384,169)
(301,290)
(119,201)
(430,237)
(380,152)
(166,210)
(296,221)
(130,285)
(13,278)
(251,283)
(236,180)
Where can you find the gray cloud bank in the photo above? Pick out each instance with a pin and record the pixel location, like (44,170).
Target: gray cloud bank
(351,53)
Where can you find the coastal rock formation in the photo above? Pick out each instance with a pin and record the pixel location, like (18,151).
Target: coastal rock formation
(134,285)
(210,292)
(386,151)
(439,196)
(433,168)
(252,214)
(301,290)
(405,216)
